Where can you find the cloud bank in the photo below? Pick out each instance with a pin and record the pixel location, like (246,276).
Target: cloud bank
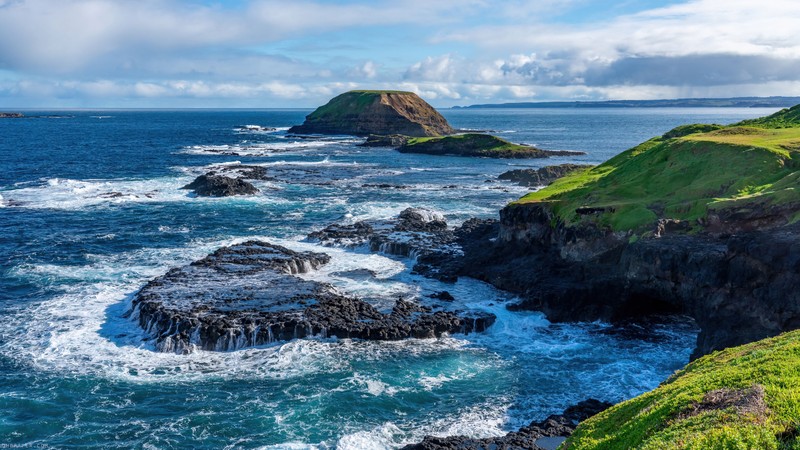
(268,53)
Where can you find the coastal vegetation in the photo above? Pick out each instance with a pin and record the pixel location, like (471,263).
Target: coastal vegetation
(687,174)
(745,397)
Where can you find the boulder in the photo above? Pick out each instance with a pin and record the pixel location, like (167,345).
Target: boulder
(220,186)
(394,140)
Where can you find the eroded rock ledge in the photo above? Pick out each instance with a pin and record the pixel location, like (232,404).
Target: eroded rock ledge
(248,295)
(738,287)
(418,233)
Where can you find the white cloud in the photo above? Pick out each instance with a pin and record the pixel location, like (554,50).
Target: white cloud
(440,68)
(465,51)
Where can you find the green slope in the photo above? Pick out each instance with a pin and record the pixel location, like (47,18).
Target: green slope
(685,174)
(745,397)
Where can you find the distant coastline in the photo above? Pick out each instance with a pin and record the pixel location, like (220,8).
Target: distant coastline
(735,102)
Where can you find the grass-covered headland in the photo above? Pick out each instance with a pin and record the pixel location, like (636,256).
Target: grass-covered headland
(745,397)
(689,174)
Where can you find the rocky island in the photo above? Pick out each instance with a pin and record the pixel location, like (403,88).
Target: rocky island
(361,113)
(11,115)
(404,121)
(476,144)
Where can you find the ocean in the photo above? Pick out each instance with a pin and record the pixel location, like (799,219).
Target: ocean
(91,209)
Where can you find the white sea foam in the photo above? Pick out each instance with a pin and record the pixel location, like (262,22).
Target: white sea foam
(255,129)
(62,193)
(83,331)
(479,421)
(255,149)
(68,194)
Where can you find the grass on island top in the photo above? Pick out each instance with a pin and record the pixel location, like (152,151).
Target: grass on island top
(350,103)
(745,397)
(685,174)
(477,142)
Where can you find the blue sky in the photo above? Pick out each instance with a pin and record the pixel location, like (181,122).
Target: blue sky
(268,53)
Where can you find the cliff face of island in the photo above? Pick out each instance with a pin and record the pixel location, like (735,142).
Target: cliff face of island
(362,113)
(697,222)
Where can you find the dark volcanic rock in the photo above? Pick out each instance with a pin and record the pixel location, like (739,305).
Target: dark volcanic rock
(362,113)
(418,233)
(443,296)
(480,145)
(540,177)
(248,294)
(385,186)
(738,287)
(544,435)
(393,140)
(220,186)
(11,115)
(420,219)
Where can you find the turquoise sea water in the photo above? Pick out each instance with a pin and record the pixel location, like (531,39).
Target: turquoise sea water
(90,209)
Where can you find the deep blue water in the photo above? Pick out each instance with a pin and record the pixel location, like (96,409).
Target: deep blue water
(90,209)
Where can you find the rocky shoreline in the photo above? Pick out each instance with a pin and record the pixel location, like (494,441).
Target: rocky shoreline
(737,287)
(547,434)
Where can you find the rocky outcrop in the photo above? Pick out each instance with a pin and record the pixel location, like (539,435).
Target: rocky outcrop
(209,185)
(11,115)
(481,145)
(362,113)
(544,435)
(738,288)
(248,294)
(542,176)
(393,140)
(417,233)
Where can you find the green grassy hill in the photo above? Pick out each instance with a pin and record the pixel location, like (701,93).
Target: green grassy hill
(745,397)
(686,174)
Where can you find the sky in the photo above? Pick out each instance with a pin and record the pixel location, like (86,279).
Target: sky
(275,54)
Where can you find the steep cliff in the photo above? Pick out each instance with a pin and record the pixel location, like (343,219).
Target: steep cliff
(362,113)
(701,223)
